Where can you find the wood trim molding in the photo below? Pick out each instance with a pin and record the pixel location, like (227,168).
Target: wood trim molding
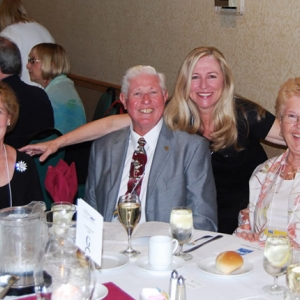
(93,84)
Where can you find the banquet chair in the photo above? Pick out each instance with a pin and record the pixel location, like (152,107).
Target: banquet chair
(42,167)
(104,103)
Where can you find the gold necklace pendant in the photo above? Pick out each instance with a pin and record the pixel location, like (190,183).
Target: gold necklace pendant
(289,175)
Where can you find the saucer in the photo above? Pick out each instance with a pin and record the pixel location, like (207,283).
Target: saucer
(112,261)
(143,264)
(100,292)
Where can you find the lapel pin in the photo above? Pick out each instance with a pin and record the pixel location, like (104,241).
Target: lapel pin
(166,148)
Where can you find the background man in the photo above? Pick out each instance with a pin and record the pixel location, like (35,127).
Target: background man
(36,112)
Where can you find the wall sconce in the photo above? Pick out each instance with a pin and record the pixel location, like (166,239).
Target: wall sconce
(229,7)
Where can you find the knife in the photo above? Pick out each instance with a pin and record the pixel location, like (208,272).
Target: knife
(198,246)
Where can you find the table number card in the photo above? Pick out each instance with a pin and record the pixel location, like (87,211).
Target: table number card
(89,231)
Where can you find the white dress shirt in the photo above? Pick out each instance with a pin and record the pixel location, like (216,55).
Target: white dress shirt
(151,139)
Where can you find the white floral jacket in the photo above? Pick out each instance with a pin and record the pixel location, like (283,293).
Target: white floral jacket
(264,183)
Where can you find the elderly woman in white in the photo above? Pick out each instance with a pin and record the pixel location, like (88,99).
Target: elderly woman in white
(274,205)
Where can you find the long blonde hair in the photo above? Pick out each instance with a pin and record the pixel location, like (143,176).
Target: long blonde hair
(11,12)
(182,113)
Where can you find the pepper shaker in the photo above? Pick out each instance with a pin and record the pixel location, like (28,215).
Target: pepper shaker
(180,292)
(173,285)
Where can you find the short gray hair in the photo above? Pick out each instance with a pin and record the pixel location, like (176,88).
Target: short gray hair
(10,57)
(139,70)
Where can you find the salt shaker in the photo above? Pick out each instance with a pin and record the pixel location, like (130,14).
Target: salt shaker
(180,292)
(173,285)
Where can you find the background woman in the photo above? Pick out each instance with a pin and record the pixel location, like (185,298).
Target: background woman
(19,181)
(22,30)
(204,103)
(48,65)
(275,185)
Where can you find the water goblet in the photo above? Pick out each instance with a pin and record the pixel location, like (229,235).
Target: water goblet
(67,273)
(181,225)
(63,205)
(276,259)
(293,277)
(129,213)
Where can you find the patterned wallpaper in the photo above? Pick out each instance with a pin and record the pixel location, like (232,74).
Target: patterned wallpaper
(105,37)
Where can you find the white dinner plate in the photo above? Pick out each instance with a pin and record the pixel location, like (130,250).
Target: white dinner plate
(208,265)
(142,263)
(113,260)
(100,292)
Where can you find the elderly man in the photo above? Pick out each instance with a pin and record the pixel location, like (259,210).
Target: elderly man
(36,113)
(172,168)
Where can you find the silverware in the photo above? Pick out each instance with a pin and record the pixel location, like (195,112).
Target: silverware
(10,281)
(198,246)
(196,240)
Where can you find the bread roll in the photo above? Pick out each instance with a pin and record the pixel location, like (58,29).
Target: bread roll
(229,261)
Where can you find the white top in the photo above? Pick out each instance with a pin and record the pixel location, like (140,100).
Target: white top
(25,36)
(151,139)
(278,212)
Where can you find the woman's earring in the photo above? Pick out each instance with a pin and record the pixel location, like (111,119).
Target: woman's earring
(8,124)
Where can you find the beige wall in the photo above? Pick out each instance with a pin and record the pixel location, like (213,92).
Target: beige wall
(105,37)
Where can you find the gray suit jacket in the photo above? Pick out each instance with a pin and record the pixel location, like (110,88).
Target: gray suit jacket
(180,175)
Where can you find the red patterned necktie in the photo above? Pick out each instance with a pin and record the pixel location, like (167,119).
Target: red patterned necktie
(137,168)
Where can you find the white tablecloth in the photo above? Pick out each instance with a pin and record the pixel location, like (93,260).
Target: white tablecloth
(248,286)
(206,286)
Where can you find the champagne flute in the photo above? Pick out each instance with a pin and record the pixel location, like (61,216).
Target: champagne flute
(129,212)
(181,225)
(293,277)
(276,259)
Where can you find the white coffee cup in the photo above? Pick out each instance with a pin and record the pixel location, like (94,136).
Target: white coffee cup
(160,252)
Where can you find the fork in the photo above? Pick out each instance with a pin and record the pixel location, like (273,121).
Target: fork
(196,240)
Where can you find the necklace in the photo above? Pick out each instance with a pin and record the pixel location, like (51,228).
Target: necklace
(8,175)
(289,175)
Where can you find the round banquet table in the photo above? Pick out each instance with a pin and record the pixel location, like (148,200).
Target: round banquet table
(199,284)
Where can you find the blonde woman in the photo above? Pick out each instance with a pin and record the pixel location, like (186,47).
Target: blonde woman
(48,65)
(204,103)
(16,26)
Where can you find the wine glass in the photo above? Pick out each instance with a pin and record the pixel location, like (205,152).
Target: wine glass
(63,211)
(293,277)
(181,225)
(63,205)
(276,259)
(63,271)
(129,212)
